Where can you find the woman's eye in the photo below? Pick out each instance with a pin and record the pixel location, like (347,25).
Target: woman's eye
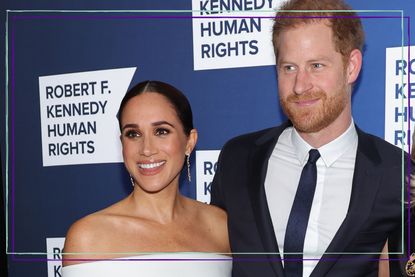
(162,132)
(132,134)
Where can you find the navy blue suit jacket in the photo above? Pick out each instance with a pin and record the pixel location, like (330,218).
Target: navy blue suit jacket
(375,208)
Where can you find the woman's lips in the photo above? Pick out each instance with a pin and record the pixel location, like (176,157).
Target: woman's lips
(150,168)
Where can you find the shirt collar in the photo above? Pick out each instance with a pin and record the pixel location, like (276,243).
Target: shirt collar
(329,152)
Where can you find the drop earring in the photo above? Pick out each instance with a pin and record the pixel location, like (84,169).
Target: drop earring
(189,176)
(132,180)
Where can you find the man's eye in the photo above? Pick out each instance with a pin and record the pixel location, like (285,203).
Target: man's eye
(162,132)
(289,68)
(317,65)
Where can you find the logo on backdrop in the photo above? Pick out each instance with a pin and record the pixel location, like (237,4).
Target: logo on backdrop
(232,42)
(78,116)
(397,112)
(206,162)
(54,247)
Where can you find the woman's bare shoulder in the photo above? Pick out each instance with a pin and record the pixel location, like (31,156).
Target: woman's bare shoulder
(87,236)
(215,221)
(82,231)
(211,212)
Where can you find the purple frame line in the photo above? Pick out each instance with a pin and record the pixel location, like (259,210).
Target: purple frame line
(408,18)
(203,260)
(120,260)
(12,135)
(17,17)
(88,17)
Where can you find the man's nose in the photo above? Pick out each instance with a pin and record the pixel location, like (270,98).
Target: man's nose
(302,82)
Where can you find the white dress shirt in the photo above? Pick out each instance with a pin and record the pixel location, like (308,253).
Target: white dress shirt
(335,170)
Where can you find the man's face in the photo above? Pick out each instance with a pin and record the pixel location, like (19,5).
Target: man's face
(314,86)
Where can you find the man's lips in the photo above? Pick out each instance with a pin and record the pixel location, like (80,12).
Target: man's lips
(306,102)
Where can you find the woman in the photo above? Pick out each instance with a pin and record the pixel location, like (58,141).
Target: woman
(157,136)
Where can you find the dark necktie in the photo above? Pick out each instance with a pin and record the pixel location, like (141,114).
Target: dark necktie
(298,220)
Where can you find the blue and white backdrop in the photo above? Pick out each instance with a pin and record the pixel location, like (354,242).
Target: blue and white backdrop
(68,64)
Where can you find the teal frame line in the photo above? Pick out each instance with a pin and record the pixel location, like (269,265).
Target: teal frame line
(177,11)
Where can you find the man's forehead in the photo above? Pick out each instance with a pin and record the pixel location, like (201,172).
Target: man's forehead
(286,34)
(307,22)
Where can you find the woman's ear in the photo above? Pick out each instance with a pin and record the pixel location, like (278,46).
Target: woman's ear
(191,141)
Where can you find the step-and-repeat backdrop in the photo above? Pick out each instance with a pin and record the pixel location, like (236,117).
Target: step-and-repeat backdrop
(68,67)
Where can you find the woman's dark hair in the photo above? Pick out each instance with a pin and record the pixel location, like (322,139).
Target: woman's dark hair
(173,95)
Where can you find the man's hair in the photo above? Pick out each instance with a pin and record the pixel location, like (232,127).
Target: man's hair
(347,28)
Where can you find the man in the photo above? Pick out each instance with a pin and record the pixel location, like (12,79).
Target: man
(317,184)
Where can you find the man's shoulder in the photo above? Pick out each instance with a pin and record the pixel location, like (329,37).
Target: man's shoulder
(257,137)
(249,137)
(386,151)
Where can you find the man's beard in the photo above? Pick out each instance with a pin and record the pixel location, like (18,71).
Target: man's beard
(319,115)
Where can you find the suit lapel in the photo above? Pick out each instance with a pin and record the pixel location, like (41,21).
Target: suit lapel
(364,188)
(258,168)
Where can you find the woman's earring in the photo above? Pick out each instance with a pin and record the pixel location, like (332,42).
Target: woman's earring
(189,176)
(132,180)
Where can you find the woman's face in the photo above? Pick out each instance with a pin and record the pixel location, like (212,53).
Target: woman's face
(153,140)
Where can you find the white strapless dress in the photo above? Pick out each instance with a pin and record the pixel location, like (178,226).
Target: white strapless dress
(155,265)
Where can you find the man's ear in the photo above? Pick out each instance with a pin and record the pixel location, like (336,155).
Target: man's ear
(354,66)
